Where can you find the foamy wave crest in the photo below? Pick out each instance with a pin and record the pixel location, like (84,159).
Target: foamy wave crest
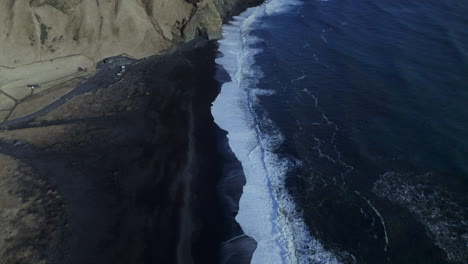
(266,211)
(280,6)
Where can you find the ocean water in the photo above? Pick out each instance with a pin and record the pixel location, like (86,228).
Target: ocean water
(350,119)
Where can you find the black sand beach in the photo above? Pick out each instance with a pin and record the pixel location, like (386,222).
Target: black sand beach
(138,166)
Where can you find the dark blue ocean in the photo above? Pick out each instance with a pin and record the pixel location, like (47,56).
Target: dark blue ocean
(367,102)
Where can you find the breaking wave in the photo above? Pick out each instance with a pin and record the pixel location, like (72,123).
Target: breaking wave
(266,211)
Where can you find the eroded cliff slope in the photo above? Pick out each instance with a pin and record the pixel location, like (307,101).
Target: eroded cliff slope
(43,42)
(39,30)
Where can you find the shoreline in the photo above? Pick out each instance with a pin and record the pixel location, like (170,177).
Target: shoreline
(137,164)
(237,247)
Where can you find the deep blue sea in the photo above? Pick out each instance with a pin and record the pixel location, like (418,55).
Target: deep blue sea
(350,119)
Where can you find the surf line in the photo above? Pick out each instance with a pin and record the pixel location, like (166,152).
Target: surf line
(379,215)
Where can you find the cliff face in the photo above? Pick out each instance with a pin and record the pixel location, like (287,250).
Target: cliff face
(40,30)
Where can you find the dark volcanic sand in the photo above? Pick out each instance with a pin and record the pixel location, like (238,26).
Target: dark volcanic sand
(142,186)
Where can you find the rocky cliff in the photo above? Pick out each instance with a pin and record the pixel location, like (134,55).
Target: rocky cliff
(40,30)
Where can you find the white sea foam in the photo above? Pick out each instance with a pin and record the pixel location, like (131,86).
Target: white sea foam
(435,207)
(266,211)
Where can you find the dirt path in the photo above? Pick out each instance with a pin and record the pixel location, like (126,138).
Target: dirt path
(106,75)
